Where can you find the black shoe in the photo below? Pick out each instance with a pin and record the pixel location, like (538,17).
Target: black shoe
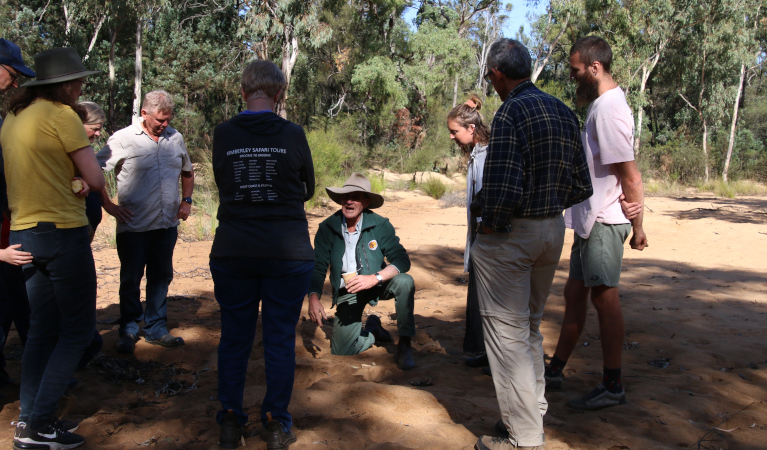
(49,436)
(231,433)
(405,359)
(500,428)
(477,361)
(374,326)
(127,343)
(276,439)
(167,341)
(68,425)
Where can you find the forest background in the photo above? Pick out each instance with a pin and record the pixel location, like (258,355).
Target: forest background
(372,81)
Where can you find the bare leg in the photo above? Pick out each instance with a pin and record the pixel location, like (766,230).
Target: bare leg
(611,326)
(576,304)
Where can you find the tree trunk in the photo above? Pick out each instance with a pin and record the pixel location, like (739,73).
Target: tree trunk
(68,24)
(455,91)
(640,111)
(705,146)
(540,64)
(137,78)
(93,39)
(112,80)
(734,122)
(289,57)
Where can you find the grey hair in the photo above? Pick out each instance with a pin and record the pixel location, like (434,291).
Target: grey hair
(95,113)
(158,101)
(511,58)
(262,79)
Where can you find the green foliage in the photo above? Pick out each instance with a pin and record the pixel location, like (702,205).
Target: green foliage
(433,187)
(329,158)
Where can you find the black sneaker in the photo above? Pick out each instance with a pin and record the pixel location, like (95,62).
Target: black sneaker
(374,326)
(231,433)
(127,343)
(597,399)
(276,439)
(20,432)
(50,435)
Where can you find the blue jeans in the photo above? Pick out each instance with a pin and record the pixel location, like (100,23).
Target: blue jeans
(61,286)
(153,250)
(14,306)
(239,285)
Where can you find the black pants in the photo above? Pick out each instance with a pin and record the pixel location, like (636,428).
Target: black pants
(473,340)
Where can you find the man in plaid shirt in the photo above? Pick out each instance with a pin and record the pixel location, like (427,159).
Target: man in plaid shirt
(536,167)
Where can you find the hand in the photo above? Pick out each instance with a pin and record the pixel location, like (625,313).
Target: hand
(12,255)
(85,190)
(183,210)
(316,310)
(639,240)
(361,283)
(630,210)
(123,215)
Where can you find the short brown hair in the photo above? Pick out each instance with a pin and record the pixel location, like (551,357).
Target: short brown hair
(593,48)
(262,78)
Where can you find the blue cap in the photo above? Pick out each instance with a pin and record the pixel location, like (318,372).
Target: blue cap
(10,55)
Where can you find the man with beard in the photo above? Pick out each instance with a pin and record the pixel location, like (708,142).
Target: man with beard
(600,226)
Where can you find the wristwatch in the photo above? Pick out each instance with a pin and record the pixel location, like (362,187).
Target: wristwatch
(187,199)
(379,278)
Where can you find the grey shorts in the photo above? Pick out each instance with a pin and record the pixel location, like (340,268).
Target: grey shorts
(597,260)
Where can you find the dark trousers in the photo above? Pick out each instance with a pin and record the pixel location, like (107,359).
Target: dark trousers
(240,284)
(14,306)
(473,340)
(152,250)
(61,286)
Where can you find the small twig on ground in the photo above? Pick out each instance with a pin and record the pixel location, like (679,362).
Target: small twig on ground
(716,427)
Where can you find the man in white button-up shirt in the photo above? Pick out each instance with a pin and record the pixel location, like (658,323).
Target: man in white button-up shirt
(148,158)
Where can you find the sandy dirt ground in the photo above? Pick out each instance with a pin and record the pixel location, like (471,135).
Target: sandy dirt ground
(695,364)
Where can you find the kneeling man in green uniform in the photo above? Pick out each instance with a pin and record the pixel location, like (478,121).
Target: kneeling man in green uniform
(357,244)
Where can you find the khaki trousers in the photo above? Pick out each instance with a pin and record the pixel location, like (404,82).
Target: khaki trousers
(514,275)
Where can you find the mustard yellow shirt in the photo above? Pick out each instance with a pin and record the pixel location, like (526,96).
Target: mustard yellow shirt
(36,146)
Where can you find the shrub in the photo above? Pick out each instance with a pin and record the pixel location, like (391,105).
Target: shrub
(433,187)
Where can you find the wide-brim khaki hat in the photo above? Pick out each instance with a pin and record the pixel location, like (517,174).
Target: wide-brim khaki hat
(355,183)
(58,65)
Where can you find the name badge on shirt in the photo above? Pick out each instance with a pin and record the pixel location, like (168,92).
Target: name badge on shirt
(373,245)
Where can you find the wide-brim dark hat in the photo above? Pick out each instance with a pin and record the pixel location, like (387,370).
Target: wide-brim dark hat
(10,55)
(355,183)
(58,65)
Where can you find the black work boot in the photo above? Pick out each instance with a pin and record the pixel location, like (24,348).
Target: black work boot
(276,439)
(231,433)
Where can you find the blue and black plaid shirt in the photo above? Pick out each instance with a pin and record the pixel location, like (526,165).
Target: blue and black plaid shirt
(536,165)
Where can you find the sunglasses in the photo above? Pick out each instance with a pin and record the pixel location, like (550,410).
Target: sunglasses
(14,76)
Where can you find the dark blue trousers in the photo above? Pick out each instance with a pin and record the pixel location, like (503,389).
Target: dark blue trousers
(152,250)
(240,284)
(61,286)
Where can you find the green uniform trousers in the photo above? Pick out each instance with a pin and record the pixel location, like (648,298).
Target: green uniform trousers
(348,336)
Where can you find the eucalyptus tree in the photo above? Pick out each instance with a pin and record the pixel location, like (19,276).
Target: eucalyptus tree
(749,51)
(707,64)
(289,24)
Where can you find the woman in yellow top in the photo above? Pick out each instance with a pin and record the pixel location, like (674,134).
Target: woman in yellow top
(44,147)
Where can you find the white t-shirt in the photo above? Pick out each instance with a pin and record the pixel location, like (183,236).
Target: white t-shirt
(608,138)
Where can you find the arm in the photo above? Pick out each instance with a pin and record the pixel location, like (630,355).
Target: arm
(307,171)
(630,210)
(120,213)
(396,255)
(322,247)
(633,189)
(12,255)
(88,167)
(187,188)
